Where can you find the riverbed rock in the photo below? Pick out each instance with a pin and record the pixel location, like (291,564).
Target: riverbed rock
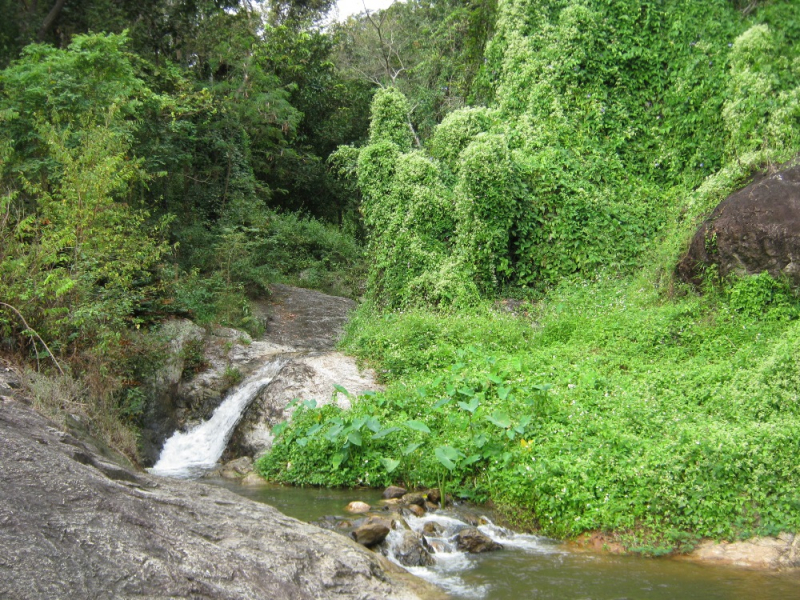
(473,541)
(754,553)
(393,492)
(416,510)
(358,507)
(432,528)
(253,479)
(372,531)
(73,525)
(410,549)
(753,230)
(417,498)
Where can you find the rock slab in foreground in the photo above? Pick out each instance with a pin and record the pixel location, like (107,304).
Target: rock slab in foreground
(753,230)
(75,526)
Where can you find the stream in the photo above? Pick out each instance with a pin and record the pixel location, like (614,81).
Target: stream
(529,566)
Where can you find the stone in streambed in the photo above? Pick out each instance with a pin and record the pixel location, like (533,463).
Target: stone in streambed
(393,491)
(413,551)
(357,507)
(416,510)
(417,498)
(432,528)
(253,479)
(372,532)
(473,541)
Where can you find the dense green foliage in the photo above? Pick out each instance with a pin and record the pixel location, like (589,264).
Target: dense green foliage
(601,407)
(620,402)
(606,117)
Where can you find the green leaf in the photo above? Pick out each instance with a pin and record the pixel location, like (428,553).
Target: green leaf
(314,429)
(447,456)
(354,437)
(465,391)
(442,402)
(384,432)
(341,390)
(471,459)
(333,432)
(410,448)
(417,426)
(302,442)
(390,464)
(495,379)
(500,419)
(502,392)
(373,425)
(338,459)
(471,407)
(279,428)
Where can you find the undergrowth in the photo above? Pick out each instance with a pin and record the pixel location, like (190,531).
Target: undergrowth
(604,406)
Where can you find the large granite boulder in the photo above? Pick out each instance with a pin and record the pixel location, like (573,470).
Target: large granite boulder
(74,525)
(754,230)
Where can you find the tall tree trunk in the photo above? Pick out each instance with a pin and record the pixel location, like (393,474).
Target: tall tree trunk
(49,20)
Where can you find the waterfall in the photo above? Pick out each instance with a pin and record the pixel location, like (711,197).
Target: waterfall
(190,454)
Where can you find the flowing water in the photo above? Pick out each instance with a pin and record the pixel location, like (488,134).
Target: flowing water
(192,453)
(537,568)
(529,567)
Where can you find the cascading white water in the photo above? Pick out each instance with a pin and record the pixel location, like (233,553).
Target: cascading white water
(451,563)
(190,454)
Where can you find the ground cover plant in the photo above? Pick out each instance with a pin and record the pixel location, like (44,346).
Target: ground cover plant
(605,407)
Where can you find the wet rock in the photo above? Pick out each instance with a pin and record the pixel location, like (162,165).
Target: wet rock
(73,525)
(753,230)
(432,528)
(473,541)
(253,479)
(417,498)
(372,532)
(416,510)
(357,507)
(242,465)
(309,377)
(433,495)
(393,492)
(412,550)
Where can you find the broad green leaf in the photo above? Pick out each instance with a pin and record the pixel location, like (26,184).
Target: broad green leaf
(445,457)
(390,464)
(341,390)
(338,459)
(410,448)
(354,437)
(500,419)
(465,391)
(442,402)
(495,379)
(358,423)
(384,432)
(333,432)
(302,442)
(373,425)
(502,392)
(310,404)
(471,459)
(313,429)
(417,426)
(472,406)
(279,428)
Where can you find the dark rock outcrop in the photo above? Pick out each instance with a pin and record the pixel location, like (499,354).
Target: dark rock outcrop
(753,230)
(393,491)
(73,525)
(471,540)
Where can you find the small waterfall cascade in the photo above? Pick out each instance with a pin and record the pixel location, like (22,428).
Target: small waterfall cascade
(190,454)
(450,562)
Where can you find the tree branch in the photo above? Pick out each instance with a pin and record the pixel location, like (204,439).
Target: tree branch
(33,331)
(49,20)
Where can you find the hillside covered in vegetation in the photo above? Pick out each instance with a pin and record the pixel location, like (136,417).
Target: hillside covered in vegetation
(508,186)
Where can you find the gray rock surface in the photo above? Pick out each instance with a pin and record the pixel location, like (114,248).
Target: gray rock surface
(73,525)
(471,540)
(303,324)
